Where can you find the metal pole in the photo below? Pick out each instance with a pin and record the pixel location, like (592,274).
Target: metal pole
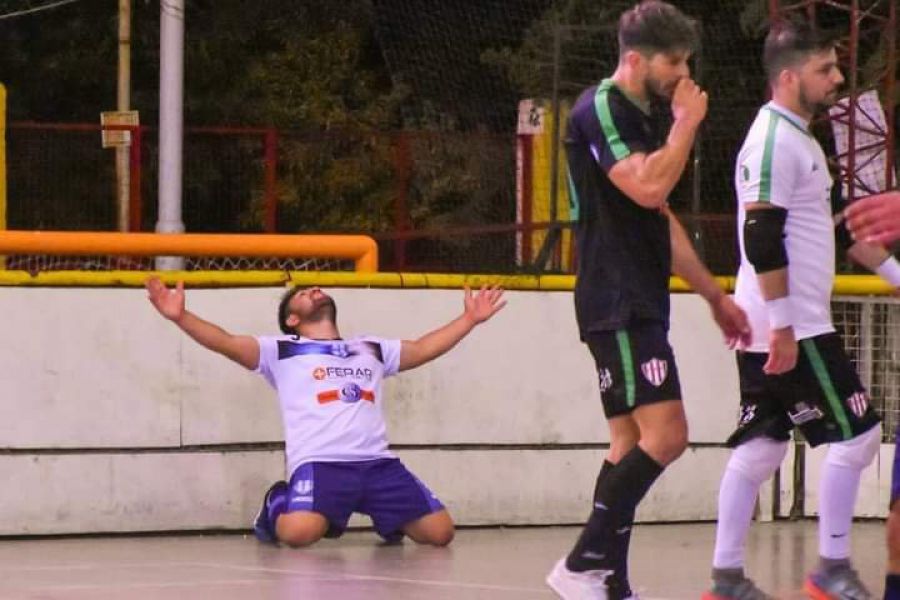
(852,100)
(554,149)
(171,124)
(123,102)
(890,84)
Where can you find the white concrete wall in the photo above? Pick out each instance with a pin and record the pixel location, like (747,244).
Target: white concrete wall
(115,421)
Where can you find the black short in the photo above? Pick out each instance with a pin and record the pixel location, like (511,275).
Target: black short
(822,396)
(635,367)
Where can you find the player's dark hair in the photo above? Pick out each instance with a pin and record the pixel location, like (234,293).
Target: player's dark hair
(653,26)
(284,309)
(790,42)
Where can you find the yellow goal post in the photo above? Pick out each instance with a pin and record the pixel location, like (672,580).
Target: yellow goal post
(112,258)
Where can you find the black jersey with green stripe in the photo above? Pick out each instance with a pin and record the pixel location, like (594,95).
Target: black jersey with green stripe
(624,250)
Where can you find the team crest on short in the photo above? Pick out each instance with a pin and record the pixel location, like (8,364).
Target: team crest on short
(606,380)
(858,403)
(655,371)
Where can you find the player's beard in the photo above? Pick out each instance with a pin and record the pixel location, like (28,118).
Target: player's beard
(657,91)
(814,107)
(325,309)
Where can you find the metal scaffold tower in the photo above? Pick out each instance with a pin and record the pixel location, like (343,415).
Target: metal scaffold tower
(864,128)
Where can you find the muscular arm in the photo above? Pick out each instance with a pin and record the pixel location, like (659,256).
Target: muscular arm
(434,343)
(242,349)
(687,265)
(648,179)
(773,284)
(478,308)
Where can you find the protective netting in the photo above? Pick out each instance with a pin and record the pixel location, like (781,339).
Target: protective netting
(868,327)
(40,263)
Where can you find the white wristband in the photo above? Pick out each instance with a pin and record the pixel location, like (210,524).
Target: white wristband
(780,313)
(889,270)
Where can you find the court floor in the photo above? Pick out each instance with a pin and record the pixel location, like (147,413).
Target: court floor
(669,562)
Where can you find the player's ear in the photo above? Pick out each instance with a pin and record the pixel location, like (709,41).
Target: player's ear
(292,321)
(633,58)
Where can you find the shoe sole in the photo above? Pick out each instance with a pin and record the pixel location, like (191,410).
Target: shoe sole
(550,583)
(260,532)
(814,592)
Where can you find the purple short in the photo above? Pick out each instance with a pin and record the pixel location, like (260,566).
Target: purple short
(384,489)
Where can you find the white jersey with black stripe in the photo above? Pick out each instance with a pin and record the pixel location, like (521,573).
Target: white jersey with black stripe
(782,163)
(330,395)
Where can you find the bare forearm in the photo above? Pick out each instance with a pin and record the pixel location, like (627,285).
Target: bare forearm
(687,265)
(871,256)
(208,335)
(665,166)
(435,343)
(773,284)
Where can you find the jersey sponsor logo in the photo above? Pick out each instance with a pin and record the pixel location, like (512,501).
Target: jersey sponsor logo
(349,393)
(289,349)
(606,380)
(804,413)
(323,373)
(858,403)
(655,371)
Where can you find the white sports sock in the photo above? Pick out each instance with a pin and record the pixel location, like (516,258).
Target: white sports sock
(837,497)
(750,464)
(838,489)
(737,499)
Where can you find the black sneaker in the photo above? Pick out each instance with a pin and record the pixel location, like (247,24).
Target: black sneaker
(262,529)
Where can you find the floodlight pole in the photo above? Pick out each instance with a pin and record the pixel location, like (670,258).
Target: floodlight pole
(171,124)
(123,100)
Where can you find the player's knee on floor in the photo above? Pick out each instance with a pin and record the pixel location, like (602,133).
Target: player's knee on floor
(857,453)
(436,529)
(299,529)
(893,530)
(758,458)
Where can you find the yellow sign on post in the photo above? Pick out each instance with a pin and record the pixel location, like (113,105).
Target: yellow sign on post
(113,138)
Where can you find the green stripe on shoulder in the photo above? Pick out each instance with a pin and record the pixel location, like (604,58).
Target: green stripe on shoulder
(604,115)
(765,172)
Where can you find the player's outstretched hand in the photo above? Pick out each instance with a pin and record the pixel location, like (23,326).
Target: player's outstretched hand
(169,302)
(875,219)
(484,304)
(732,320)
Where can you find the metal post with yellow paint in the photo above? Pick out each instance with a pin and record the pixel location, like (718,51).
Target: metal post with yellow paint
(2,166)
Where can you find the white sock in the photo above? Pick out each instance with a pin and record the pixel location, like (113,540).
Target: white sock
(837,497)
(737,499)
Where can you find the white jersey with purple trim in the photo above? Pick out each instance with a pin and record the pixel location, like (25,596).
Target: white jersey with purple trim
(781,163)
(330,395)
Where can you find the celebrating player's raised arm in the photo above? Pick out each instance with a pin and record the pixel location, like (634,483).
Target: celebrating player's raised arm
(478,308)
(242,349)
